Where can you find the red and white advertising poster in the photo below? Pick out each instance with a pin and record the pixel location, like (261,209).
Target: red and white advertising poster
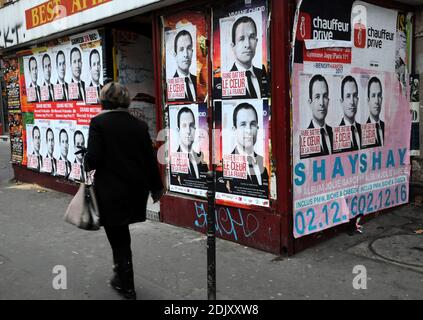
(189,149)
(242,152)
(60,88)
(185,57)
(351,130)
(240,50)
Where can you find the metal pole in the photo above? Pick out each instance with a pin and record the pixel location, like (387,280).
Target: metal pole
(211,237)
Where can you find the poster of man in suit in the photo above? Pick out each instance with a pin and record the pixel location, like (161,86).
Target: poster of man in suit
(49,160)
(34,143)
(181,63)
(317,138)
(95,86)
(375,105)
(76,85)
(64,166)
(47,92)
(79,141)
(243,171)
(61,88)
(349,102)
(31,74)
(185,54)
(240,55)
(189,149)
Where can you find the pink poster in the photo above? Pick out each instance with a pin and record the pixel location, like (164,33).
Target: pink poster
(351,137)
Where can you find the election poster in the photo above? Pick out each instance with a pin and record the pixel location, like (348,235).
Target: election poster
(189,149)
(60,88)
(240,50)
(34,147)
(341,113)
(351,134)
(79,139)
(70,72)
(185,57)
(64,148)
(374,37)
(323,36)
(242,152)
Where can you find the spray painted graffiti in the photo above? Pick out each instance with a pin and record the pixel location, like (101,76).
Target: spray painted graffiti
(11,35)
(232,222)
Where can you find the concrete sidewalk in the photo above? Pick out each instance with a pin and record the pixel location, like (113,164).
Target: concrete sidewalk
(170,262)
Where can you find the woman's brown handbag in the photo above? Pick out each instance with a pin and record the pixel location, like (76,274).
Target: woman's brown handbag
(83,209)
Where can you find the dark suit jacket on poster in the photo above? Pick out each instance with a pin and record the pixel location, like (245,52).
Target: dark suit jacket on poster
(65,96)
(68,167)
(194,81)
(321,153)
(39,161)
(37,91)
(251,177)
(81,95)
(262,80)
(178,179)
(121,152)
(82,175)
(353,147)
(99,87)
(378,143)
(50,92)
(53,164)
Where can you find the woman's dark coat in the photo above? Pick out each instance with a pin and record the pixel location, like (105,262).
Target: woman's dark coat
(121,152)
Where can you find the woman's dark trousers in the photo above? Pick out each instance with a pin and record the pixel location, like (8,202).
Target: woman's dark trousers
(120,241)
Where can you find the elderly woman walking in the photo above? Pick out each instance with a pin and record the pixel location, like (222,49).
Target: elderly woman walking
(126,171)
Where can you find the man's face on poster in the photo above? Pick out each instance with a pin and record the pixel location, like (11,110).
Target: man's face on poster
(64,145)
(319,101)
(187,130)
(375,100)
(350,100)
(79,142)
(246,129)
(50,142)
(33,69)
(245,44)
(47,69)
(36,139)
(183,54)
(76,66)
(95,68)
(61,67)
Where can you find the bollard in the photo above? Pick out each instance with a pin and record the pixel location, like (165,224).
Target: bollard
(211,237)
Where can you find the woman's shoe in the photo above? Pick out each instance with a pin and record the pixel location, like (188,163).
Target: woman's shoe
(123,280)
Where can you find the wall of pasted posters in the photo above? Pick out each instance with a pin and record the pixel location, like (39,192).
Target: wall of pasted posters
(239,96)
(59,91)
(185,74)
(351,113)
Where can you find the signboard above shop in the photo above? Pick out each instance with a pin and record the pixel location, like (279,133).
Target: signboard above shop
(29,20)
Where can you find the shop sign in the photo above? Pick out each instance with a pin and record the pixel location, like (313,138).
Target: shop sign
(29,20)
